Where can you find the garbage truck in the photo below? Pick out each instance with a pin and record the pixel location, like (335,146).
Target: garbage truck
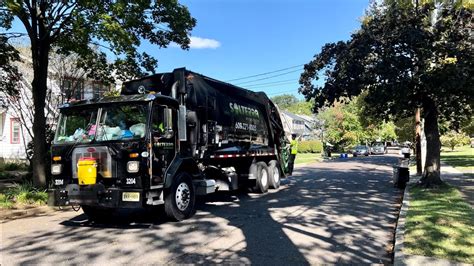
(167,138)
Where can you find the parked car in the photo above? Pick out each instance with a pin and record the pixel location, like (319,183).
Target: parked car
(360,150)
(378,148)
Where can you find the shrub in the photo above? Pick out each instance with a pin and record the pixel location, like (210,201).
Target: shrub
(310,146)
(5,202)
(13,166)
(26,193)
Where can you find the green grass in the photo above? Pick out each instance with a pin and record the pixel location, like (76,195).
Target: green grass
(307,158)
(462,158)
(440,224)
(23,194)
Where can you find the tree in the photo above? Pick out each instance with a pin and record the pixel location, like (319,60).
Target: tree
(342,125)
(453,139)
(285,100)
(404,56)
(80,27)
(300,108)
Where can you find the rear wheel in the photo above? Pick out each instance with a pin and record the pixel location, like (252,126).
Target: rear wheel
(262,181)
(274,174)
(180,199)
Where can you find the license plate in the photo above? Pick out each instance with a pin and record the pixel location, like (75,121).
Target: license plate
(131,196)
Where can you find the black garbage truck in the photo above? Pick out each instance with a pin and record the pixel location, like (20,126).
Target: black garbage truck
(167,138)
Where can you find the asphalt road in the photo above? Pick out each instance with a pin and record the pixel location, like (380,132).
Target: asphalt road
(342,211)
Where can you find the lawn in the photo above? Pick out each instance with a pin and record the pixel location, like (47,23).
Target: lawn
(462,158)
(440,224)
(307,158)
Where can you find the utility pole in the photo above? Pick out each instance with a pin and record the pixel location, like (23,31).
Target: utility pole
(418,140)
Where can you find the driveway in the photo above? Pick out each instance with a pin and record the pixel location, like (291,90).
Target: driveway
(342,211)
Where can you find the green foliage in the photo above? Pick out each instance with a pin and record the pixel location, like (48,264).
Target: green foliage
(453,139)
(310,146)
(284,101)
(12,166)
(90,29)
(342,126)
(301,108)
(405,129)
(26,193)
(404,56)
(5,202)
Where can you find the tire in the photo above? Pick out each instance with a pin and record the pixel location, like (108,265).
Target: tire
(98,214)
(274,174)
(180,198)
(262,178)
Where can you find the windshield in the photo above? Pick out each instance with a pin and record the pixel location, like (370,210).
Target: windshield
(115,123)
(360,147)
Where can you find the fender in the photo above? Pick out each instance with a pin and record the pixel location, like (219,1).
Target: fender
(187,164)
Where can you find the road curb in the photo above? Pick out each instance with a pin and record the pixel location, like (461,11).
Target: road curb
(13,214)
(399,257)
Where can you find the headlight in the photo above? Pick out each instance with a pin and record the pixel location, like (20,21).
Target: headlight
(133,166)
(56,169)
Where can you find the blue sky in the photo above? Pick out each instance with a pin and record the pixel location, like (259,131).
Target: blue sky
(261,36)
(239,38)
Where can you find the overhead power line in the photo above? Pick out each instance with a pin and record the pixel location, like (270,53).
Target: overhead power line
(269,77)
(266,73)
(282,92)
(270,83)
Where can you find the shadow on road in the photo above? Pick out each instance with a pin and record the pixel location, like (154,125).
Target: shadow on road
(342,211)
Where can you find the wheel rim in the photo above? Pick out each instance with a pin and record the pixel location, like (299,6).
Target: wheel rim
(183,198)
(264,179)
(276,175)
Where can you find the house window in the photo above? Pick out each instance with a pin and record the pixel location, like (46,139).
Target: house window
(14,131)
(73,88)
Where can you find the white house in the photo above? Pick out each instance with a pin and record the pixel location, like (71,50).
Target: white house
(12,141)
(299,124)
(16,115)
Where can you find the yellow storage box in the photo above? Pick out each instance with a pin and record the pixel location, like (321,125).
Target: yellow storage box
(87,171)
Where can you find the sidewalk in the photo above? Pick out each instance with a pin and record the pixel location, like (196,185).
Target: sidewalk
(464,183)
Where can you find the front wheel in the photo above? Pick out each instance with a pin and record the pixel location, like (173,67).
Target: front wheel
(180,199)
(274,174)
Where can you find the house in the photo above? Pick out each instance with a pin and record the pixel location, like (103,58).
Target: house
(12,142)
(301,125)
(16,114)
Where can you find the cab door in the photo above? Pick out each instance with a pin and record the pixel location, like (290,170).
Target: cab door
(164,140)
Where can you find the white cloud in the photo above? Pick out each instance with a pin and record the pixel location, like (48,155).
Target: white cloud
(201,43)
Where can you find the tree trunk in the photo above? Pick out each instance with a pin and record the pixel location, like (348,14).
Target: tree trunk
(431,175)
(40,53)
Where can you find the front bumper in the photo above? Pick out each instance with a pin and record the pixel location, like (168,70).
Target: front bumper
(94,195)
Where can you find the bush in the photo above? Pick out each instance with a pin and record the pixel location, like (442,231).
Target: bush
(13,166)
(26,193)
(453,139)
(5,202)
(310,146)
